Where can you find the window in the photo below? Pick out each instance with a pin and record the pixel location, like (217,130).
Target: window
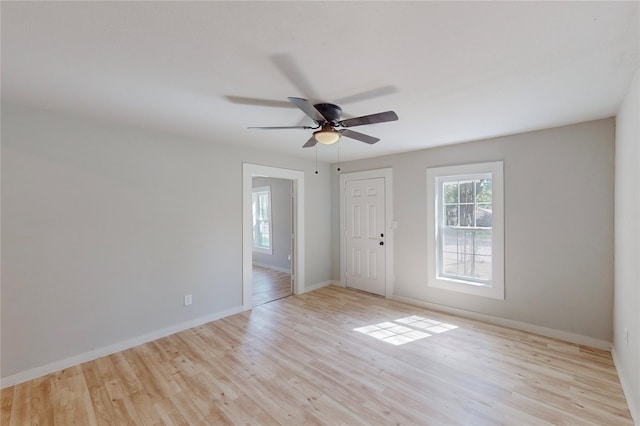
(262,229)
(465,229)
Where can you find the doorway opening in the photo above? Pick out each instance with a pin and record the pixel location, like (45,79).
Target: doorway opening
(295,179)
(272,210)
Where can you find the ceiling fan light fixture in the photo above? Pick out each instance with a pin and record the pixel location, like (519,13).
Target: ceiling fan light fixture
(326,136)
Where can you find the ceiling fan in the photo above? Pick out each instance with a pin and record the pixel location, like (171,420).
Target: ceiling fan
(327,118)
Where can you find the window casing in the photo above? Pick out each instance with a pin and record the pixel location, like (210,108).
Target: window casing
(262,226)
(466,228)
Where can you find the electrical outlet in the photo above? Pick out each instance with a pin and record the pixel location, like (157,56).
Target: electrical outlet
(188,299)
(626,336)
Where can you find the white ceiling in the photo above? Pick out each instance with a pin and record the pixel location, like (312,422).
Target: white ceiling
(453,71)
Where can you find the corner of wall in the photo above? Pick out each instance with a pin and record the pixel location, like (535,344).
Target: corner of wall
(626,309)
(634,406)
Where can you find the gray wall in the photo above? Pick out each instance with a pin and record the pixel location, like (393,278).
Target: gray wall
(281,222)
(627,246)
(106,227)
(558,226)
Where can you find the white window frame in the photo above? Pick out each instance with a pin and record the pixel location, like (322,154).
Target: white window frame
(495,288)
(258,249)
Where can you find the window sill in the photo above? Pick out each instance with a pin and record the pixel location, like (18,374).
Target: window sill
(467,287)
(465,282)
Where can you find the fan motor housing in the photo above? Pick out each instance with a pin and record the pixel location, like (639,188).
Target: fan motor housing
(329,111)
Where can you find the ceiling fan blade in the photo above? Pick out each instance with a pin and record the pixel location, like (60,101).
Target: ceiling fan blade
(358,136)
(308,108)
(380,117)
(290,69)
(310,143)
(369,94)
(282,127)
(258,102)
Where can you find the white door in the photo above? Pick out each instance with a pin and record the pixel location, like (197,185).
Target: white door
(365,235)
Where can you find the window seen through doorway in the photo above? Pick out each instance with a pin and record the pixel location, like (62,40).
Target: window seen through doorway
(262,229)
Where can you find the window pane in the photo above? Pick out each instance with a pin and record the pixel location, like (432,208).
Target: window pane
(450,240)
(264,234)
(466,241)
(451,215)
(483,268)
(483,215)
(467,215)
(465,264)
(483,243)
(467,254)
(450,263)
(450,191)
(483,191)
(261,219)
(466,192)
(264,205)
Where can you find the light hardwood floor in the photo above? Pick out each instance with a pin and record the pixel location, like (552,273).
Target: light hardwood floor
(269,284)
(332,356)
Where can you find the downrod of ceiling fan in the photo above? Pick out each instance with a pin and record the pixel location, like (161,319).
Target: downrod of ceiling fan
(330,112)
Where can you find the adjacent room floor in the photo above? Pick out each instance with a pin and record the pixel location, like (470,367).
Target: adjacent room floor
(269,285)
(332,356)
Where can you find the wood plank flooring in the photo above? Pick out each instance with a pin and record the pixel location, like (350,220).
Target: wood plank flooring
(332,356)
(269,285)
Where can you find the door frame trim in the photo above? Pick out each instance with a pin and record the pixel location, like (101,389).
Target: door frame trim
(249,171)
(387,174)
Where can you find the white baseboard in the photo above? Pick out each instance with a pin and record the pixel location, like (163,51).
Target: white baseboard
(318,285)
(544,331)
(36,372)
(626,388)
(275,268)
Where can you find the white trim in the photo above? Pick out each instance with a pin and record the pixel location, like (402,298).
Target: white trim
(531,328)
(497,288)
(626,388)
(255,170)
(91,355)
(320,285)
(275,268)
(387,174)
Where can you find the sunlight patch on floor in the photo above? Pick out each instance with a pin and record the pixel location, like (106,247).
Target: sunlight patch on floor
(405,330)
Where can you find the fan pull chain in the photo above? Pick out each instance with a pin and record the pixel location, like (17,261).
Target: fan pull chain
(316,159)
(338,156)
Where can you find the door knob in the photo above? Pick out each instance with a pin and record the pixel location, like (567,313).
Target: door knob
(381,243)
